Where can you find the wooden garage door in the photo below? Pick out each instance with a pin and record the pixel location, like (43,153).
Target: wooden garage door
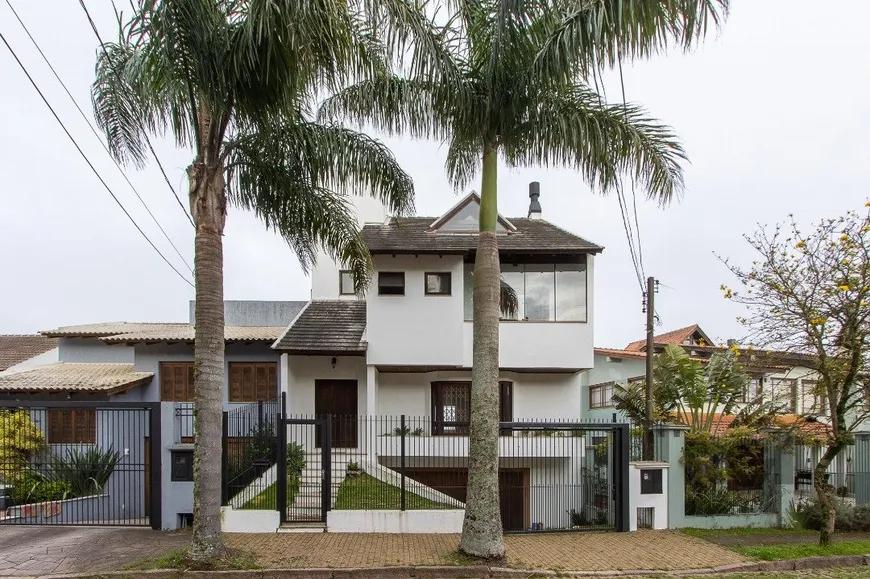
(513,490)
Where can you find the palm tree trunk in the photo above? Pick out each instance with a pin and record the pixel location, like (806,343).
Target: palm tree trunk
(481,529)
(208,206)
(825,492)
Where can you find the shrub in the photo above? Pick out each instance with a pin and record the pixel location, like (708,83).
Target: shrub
(31,487)
(20,440)
(295,458)
(85,471)
(849,518)
(713,501)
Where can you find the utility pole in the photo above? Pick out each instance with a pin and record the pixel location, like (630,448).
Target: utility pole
(649,306)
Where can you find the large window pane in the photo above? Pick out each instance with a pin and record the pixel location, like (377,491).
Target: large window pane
(467,291)
(512,275)
(571,292)
(540,299)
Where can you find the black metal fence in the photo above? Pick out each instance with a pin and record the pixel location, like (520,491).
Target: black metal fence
(250,454)
(727,475)
(552,475)
(79,463)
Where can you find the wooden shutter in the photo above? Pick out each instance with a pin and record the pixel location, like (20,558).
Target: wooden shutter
(72,426)
(176,382)
(253,381)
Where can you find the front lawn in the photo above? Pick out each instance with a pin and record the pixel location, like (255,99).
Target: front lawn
(268,499)
(797,551)
(364,492)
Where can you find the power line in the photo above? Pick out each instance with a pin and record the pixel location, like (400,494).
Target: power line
(633,196)
(85,157)
(97,135)
(144,134)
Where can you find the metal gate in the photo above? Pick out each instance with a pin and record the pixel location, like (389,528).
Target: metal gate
(79,463)
(305,470)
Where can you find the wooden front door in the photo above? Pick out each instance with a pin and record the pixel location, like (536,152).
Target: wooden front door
(338,398)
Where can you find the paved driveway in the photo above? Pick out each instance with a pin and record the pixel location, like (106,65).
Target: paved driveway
(47,550)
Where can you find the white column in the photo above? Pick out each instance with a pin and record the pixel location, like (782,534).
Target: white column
(372,410)
(285,379)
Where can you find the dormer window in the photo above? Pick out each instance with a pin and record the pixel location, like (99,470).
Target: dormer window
(391,283)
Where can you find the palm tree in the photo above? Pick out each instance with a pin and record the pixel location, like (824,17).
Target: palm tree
(232,80)
(513,82)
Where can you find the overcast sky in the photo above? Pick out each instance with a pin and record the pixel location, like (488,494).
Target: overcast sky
(773,113)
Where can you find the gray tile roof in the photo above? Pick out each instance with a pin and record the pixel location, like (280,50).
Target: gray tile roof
(67,377)
(327,327)
(107,329)
(185,333)
(412,235)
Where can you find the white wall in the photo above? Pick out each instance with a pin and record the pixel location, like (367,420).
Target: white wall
(659,502)
(324,276)
(416,329)
(50,357)
(304,370)
(542,345)
(428,521)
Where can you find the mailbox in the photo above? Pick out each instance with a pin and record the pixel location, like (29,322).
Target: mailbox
(651,481)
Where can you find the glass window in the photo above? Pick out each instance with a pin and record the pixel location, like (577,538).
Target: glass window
(814,398)
(784,393)
(391,283)
(512,275)
(540,296)
(754,388)
(571,292)
(345,284)
(601,395)
(467,219)
(438,284)
(468,291)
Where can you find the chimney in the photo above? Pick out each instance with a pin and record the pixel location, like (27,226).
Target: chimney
(534,205)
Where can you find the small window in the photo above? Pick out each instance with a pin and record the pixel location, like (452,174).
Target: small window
(601,395)
(345,283)
(438,284)
(253,381)
(182,466)
(391,283)
(176,382)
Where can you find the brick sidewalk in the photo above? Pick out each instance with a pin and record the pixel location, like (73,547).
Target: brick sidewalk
(664,550)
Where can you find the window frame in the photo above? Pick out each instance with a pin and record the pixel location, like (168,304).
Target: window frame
(174,474)
(79,434)
(819,398)
(447,274)
(341,289)
(461,427)
(793,391)
(381,288)
(167,371)
(241,398)
(606,402)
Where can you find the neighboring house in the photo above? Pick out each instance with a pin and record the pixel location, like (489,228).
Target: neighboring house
(23,352)
(405,350)
(778,377)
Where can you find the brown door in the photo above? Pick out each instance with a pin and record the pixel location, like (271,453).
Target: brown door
(338,398)
(513,491)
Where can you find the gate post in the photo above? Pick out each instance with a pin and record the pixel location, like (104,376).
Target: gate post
(225,459)
(861,468)
(156,465)
(281,469)
(621,459)
(326,463)
(673,443)
(402,465)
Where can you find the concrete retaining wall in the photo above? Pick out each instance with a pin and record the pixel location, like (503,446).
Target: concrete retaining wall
(760,520)
(93,509)
(423,521)
(249,520)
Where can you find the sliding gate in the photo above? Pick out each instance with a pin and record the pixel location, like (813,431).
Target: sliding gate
(79,463)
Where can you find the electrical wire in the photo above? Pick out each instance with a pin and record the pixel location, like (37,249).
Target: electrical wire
(96,134)
(633,196)
(144,134)
(88,161)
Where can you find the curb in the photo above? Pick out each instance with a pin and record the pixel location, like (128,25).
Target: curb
(468,572)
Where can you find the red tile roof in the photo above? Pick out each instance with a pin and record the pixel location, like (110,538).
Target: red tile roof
(615,353)
(672,337)
(722,423)
(15,349)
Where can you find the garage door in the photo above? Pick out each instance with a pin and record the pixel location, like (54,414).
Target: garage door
(513,490)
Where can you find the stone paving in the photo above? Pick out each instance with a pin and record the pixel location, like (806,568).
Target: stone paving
(31,551)
(664,550)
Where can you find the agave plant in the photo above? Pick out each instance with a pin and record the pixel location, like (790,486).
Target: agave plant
(86,471)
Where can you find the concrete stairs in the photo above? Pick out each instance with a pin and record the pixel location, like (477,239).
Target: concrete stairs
(307,504)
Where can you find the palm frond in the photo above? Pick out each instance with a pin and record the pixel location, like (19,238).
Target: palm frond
(571,128)
(393,106)
(463,162)
(593,33)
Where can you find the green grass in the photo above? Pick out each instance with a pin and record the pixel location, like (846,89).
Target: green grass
(268,499)
(796,551)
(742,531)
(234,560)
(364,492)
